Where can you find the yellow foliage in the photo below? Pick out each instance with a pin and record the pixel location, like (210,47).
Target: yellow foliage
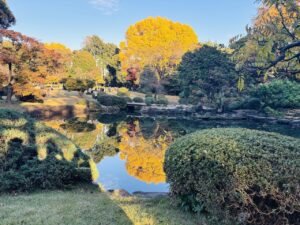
(123,91)
(241,84)
(156,42)
(144,157)
(59,48)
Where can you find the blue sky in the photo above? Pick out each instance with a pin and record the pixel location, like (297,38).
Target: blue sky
(69,21)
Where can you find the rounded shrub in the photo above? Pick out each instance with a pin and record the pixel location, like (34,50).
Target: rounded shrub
(111,100)
(249,176)
(252,103)
(122,92)
(149,101)
(162,100)
(127,99)
(138,99)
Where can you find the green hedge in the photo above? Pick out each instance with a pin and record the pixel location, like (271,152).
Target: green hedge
(162,100)
(149,101)
(111,100)
(245,175)
(278,94)
(138,99)
(33,156)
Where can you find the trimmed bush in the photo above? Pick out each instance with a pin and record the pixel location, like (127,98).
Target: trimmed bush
(123,92)
(111,100)
(138,99)
(252,103)
(127,99)
(149,101)
(33,156)
(249,176)
(162,100)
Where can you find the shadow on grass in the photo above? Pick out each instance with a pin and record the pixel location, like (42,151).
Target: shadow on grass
(84,205)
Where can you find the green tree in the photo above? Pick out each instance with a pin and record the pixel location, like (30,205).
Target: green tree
(149,82)
(6,16)
(106,56)
(272,44)
(84,67)
(206,74)
(80,85)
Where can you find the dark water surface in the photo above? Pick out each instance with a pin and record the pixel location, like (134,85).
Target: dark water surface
(128,151)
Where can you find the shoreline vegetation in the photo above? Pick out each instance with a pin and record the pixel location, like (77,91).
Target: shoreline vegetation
(69,104)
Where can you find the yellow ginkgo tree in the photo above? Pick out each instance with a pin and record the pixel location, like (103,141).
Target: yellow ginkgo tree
(156,42)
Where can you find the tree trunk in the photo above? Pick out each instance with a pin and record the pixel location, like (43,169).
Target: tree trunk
(9,87)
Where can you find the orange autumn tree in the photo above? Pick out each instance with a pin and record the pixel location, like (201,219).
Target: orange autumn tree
(156,42)
(65,60)
(28,64)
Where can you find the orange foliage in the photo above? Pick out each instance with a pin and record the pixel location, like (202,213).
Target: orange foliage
(276,15)
(29,62)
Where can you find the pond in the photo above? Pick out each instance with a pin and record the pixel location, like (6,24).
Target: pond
(128,151)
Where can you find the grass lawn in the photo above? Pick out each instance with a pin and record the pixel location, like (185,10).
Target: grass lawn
(87,206)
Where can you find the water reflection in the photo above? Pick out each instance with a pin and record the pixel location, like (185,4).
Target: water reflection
(128,152)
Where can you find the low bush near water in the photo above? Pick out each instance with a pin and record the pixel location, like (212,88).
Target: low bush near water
(162,100)
(138,100)
(111,100)
(33,156)
(279,94)
(149,101)
(251,177)
(123,92)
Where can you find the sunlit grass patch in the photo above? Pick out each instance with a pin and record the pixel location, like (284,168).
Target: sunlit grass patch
(86,205)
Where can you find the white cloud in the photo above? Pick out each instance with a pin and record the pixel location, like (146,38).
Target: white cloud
(106,6)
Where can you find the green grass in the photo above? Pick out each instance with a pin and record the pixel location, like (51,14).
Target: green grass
(87,205)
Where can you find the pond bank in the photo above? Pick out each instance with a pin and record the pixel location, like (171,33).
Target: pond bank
(292,117)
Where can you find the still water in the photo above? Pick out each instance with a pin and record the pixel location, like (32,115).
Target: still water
(128,151)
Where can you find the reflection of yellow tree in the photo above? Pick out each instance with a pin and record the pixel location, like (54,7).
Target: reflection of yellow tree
(144,157)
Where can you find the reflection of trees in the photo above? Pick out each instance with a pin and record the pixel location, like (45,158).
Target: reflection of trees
(149,127)
(80,131)
(35,156)
(78,125)
(105,146)
(144,157)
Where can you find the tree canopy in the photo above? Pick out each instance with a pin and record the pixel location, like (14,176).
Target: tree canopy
(156,42)
(206,73)
(84,67)
(272,44)
(106,56)
(29,63)
(6,16)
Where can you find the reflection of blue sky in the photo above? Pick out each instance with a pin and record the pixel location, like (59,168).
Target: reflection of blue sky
(113,175)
